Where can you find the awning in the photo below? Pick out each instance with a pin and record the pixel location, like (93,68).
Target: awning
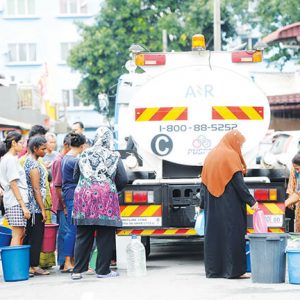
(14,124)
(284,33)
(285,102)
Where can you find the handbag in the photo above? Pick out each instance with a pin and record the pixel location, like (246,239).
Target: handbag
(200,222)
(259,222)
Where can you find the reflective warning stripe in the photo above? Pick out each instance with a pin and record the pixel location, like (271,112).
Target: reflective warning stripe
(140,210)
(157,232)
(161,114)
(237,112)
(269,208)
(274,230)
(178,232)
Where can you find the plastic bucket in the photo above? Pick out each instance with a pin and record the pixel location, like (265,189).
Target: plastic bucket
(5,236)
(248,269)
(49,241)
(15,262)
(267,256)
(293,266)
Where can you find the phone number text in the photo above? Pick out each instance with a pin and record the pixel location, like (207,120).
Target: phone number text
(197,127)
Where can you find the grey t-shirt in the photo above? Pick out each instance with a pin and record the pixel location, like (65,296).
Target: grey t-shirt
(10,169)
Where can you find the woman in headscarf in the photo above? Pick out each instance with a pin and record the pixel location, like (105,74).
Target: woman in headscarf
(96,204)
(225,196)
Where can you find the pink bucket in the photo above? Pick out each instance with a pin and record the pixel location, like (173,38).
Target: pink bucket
(49,241)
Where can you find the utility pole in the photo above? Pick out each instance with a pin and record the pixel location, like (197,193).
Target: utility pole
(217,25)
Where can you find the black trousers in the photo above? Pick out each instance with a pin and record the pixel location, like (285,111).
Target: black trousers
(34,235)
(105,241)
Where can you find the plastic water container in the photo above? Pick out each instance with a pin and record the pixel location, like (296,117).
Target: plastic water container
(5,236)
(49,241)
(15,262)
(293,266)
(136,258)
(268,258)
(93,259)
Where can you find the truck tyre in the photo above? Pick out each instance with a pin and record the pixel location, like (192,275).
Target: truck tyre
(146,242)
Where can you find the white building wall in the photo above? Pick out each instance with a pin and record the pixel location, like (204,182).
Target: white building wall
(48,29)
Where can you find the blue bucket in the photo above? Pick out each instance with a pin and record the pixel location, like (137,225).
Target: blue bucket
(5,236)
(248,269)
(15,262)
(294,266)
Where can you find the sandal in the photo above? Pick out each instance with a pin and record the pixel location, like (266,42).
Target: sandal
(76,276)
(67,271)
(40,271)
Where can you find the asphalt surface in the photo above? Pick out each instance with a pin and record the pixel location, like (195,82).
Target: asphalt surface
(175,270)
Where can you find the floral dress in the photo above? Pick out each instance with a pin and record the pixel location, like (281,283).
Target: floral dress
(294,186)
(96,203)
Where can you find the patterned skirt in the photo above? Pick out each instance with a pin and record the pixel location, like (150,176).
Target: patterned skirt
(15,216)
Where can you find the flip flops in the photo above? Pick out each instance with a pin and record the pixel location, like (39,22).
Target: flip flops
(39,271)
(76,276)
(70,270)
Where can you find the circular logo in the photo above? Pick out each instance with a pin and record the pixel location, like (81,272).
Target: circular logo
(161,145)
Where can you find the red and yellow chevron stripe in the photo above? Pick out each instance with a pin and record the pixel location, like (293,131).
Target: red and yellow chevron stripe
(141,210)
(269,208)
(273,230)
(158,232)
(237,112)
(161,114)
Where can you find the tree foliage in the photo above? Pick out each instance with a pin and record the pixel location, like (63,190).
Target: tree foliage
(103,52)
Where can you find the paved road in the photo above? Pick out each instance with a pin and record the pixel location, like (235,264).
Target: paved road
(175,270)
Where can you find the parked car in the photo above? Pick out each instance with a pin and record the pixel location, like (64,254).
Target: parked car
(285,144)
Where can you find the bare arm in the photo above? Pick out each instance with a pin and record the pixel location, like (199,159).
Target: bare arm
(16,191)
(35,181)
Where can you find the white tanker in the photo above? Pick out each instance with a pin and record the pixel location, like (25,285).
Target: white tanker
(170,112)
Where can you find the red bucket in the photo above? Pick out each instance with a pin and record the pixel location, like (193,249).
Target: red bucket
(49,241)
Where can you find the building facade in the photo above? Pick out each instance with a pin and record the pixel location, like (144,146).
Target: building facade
(36,36)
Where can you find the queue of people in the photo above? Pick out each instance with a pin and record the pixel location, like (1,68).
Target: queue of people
(35,188)
(86,179)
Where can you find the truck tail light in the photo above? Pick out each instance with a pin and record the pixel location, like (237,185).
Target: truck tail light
(150,59)
(128,196)
(139,197)
(265,194)
(273,194)
(250,56)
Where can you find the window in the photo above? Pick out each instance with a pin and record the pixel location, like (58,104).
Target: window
(76,98)
(20,7)
(22,52)
(73,7)
(66,97)
(25,97)
(64,50)
(70,98)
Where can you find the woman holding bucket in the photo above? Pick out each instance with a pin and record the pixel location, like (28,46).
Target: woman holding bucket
(13,181)
(225,196)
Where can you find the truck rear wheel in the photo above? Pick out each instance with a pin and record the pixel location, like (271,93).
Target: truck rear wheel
(146,242)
